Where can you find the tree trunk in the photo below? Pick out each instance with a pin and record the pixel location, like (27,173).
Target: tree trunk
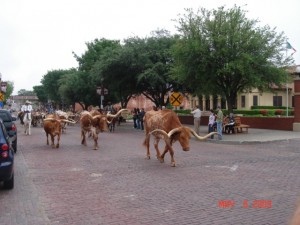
(231,102)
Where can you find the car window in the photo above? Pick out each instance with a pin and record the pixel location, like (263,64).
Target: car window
(2,134)
(5,117)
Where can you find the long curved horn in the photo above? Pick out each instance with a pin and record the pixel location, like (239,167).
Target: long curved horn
(164,133)
(108,122)
(117,114)
(171,132)
(100,117)
(202,137)
(97,116)
(67,121)
(71,121)
(49,119)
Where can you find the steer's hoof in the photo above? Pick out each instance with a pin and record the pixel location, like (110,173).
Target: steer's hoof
(173,164)
(161,159)
(147,157)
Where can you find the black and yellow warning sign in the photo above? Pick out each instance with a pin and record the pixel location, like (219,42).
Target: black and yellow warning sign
(1,97)
(176,99)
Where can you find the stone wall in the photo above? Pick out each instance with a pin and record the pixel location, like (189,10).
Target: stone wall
(273,123)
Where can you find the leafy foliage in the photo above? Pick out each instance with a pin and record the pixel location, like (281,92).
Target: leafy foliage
(222,52)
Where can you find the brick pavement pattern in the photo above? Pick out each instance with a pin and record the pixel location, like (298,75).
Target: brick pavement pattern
(212,184)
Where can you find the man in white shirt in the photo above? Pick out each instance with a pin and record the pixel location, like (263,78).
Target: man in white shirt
(197,117)
(27,108)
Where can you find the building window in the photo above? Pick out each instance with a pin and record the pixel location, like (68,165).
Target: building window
(255,100)
(277,100)
(215,102)
(207,103)
(243,101)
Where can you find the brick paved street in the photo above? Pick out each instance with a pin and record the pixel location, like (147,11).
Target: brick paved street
(75,185)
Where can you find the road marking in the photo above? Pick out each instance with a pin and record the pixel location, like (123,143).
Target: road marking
(231,168)
(96,175)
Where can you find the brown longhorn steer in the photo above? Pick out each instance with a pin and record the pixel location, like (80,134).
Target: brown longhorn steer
(165,124)
(52,127)
(94,125)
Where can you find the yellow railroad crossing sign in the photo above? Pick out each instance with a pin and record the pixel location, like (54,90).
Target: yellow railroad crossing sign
(176,99)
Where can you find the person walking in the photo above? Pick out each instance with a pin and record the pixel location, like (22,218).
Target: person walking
(211,123)
(141,118)
(134,117)
(197,117)
(138,125)
(219,121)
(27,108)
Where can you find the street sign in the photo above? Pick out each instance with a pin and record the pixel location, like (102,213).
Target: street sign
(176,99)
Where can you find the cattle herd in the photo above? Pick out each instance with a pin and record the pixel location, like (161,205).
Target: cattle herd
(163,124)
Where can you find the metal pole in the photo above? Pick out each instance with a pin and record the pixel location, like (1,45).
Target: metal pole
(287,90)
(100,101)
(287,99)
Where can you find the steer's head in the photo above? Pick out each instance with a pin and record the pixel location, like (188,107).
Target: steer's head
(182,135)
(100,123)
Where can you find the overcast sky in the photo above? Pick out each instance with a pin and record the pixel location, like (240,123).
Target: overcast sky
(37,36)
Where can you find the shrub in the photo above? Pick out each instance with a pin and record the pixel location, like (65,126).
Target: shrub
(264,112)
(278,112)
(268,107)
(183,111)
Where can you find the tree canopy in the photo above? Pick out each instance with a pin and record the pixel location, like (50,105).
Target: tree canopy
(222,52)
(217,52)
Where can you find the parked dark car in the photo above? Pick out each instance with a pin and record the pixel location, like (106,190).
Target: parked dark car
(10,125)
(6,159)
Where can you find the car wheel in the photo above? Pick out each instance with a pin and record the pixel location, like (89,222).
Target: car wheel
(9,184)
(14,145)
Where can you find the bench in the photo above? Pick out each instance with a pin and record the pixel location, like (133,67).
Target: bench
(239,126)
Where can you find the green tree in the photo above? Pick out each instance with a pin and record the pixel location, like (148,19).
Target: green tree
(91,65)
(222,52)
(24,92)
(41,93)
(118,72)
(76,86)
(51,85)
(9,90)
(154,59)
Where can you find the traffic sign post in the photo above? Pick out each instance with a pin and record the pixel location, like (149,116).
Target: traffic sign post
(176,99)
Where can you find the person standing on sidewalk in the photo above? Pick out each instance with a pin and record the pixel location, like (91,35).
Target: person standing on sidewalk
(219,121)
(197,117)
(211,123)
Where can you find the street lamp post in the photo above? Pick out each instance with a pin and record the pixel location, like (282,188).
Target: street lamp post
(298,70)
(100,93)
(296,124)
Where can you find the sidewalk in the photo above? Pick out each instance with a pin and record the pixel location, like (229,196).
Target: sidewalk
(253,136)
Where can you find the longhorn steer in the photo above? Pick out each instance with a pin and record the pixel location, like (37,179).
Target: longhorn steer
(63,115)
(93,125)
(166,125)
(52,127)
